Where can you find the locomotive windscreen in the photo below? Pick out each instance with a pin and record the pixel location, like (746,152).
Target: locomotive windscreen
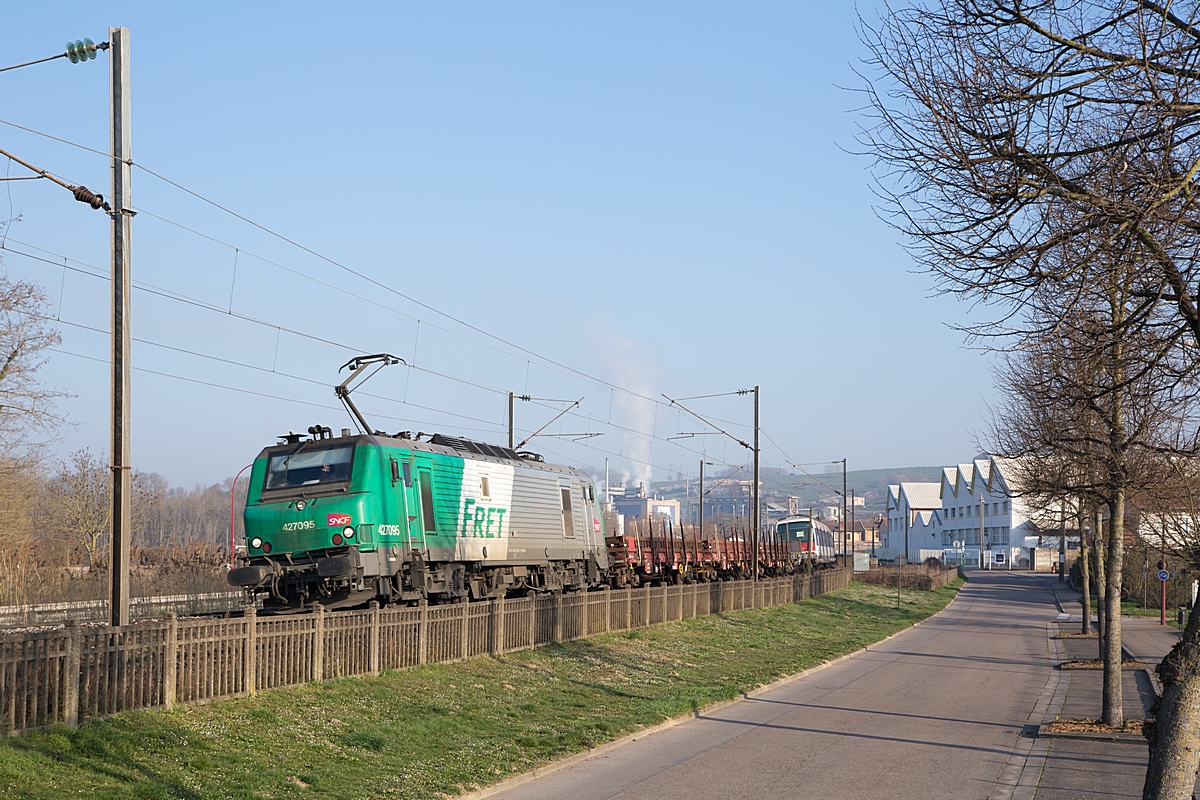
(796,531)
(304,467)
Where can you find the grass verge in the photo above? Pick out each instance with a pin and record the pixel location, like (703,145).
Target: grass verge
(441,730)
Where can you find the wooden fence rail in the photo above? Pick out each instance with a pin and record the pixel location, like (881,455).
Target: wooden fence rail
(68,674)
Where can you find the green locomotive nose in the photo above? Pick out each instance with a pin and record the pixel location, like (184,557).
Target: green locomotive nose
(300,526)
(305,501)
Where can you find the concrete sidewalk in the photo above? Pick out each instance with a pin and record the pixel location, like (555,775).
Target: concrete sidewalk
(1076,769)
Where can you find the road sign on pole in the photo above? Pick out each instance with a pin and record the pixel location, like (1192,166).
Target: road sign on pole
(1163,575)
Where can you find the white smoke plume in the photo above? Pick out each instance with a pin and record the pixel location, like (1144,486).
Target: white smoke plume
(629,365)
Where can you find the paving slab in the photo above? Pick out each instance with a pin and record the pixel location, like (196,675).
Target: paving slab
(1076,769)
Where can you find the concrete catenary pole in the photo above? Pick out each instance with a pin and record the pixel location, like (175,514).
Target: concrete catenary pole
(511,438)
(755,499)
(844,511)
(120,493)
(701,500)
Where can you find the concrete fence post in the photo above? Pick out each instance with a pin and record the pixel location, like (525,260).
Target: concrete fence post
(628,608)
(318,651)
(646,607)
(249,653)
(170,659)
(71,676)
(607,609)
(496,611)
(423,631)
(373,641)
(558,604)
(533,623)
(466,628)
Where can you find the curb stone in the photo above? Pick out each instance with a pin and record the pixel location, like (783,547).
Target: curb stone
(607,747)
(1124,738)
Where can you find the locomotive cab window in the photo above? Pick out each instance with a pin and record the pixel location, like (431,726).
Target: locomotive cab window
(485,489)
(302,467)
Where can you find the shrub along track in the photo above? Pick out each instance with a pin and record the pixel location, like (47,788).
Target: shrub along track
(441,730)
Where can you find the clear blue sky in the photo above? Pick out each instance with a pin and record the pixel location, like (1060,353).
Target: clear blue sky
(650,193)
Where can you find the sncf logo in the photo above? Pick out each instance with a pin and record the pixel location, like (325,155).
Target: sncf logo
(336,520)
(596,525)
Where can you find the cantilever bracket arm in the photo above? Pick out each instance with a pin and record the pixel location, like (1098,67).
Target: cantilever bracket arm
(711,425)
(357,366)
(548,424)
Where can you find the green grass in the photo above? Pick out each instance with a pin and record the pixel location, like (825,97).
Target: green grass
(441,730)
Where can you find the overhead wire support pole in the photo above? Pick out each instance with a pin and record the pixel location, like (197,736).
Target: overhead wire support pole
(511,437)
(845,519)
(122,216)
(754,491)
(754,530)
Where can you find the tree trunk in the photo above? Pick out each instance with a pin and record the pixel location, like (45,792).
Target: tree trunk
(1114,705)
(1175,733)
(1101,583)
(1084,574)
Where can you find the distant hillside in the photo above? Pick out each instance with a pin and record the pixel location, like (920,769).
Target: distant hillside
(869,484)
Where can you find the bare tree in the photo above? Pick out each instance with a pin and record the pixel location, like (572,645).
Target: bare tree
(77,502)
(27,408)
(1004,130)
(1027,150)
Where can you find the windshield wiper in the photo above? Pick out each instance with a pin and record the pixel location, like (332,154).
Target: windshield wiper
(287,461)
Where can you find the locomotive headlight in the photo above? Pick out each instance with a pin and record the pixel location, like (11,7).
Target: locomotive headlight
(348,532)
(256,542)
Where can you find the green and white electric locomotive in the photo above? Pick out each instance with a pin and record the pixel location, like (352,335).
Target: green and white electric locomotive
(343,520)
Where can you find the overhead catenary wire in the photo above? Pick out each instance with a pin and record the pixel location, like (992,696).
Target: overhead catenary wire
(215,385)
(349,270)
(554,365)
(96,272)
(492,428)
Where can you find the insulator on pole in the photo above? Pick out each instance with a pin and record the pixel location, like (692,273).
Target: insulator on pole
(83,50)
(85,195)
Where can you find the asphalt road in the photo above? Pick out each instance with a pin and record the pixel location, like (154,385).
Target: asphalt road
(935,712)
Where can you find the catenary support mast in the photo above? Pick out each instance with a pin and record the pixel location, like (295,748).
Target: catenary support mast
(120,494)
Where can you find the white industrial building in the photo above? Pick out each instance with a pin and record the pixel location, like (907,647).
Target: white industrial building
(974,502)
(913,520)
(978,505)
